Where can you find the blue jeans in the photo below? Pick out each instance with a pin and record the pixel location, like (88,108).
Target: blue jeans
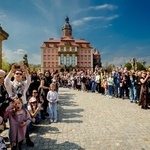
(93,86)
(52,110)
(133,94)
(110,90)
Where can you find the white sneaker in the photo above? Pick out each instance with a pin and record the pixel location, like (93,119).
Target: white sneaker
(55,120)
(51,120)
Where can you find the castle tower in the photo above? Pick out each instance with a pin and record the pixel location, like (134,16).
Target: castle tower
(67,30)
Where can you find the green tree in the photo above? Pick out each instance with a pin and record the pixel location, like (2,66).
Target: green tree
(140,66)
(128,65)
(110,67)
(5,64)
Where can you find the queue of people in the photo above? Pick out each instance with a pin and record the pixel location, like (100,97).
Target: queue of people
(27,98)
(120,83)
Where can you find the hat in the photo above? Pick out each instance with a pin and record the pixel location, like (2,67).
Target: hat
(2,73)
(32,99)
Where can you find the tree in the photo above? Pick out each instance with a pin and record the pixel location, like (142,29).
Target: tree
(140,66)
(128,65)
(109,67)
(5,64)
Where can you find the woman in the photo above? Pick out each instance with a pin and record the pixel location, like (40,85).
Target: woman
(143,100)
(133,91)
(34,109)
(44,88)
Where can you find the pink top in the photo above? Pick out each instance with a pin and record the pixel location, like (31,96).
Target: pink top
(17,133)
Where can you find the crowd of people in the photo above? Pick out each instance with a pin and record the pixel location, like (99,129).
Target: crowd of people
(119,83)
(26,97)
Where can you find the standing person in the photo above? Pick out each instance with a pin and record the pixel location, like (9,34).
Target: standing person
(117,81)
(132,88)
(97,82)
(19,118)
(55,81)
(138,83)
(3,95)
(44,86)
(78,81)
(52,98)
(35,82)
(18,88)
(110,81)
(143,100)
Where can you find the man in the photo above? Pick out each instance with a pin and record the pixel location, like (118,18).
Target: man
(18,88)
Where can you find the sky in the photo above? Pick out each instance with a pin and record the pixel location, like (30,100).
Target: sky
(119,29)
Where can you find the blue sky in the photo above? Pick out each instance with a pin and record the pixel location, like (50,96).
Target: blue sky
(119,29)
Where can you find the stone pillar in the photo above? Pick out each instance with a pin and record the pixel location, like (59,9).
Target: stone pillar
(3,36)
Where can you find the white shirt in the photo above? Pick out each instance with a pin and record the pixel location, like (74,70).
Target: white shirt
(52,96)
(8,84)
(97,79)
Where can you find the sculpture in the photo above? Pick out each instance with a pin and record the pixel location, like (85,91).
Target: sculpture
(133,63)
(25,62)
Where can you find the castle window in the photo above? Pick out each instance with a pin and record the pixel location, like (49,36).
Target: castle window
(61,59)
(68,61)
(73,60)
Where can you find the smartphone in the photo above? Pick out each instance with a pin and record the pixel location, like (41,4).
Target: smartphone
(17,66)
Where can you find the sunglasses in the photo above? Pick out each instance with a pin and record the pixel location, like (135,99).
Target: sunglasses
(18,74)
(35,92)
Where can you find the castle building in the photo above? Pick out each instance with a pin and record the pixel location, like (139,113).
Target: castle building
(66,54)
(96,59)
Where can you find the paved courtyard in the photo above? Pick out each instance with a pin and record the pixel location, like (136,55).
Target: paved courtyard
(90,121)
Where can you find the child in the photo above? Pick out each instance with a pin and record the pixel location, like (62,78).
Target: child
(34,109)
(19,118)
(52,97)
(110,81)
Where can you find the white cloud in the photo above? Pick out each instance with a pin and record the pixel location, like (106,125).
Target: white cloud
(20,51)
(16,56)
(105,6)
(12,56)
(85,19)
(92,18)
(100,7)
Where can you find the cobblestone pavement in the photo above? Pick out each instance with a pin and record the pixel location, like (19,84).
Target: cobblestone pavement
(90,121)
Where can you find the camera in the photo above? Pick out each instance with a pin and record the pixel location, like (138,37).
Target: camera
(17,66)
